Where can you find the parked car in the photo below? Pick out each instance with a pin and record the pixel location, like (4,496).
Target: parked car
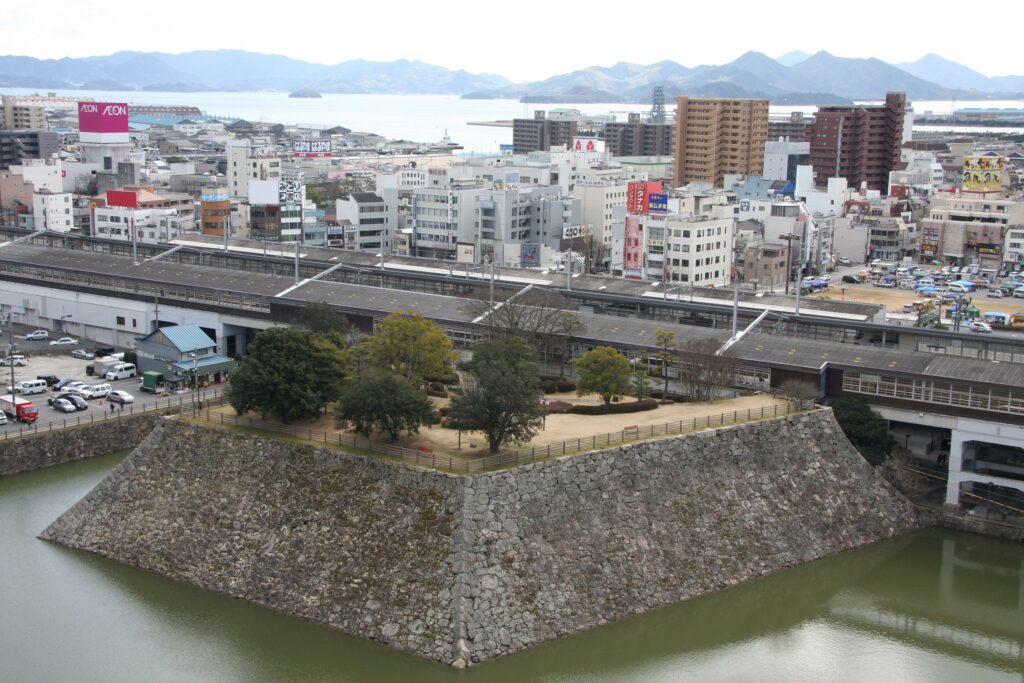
(64,341)
(978,326)
(94,391)
(994,293)
(15,360)
(852,279)
(74,385)
(119,396)
(77,401)
(843,261)
(83,354)
(49,379)
(61,384)
(37,335)
(64,405)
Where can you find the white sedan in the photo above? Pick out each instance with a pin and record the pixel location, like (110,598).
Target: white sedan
(38,335)
(64,341)
(119,396)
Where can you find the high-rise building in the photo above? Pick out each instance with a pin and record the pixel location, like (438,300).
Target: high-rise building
(859,143)
(541,133)
(792,125)
(715,137)
(635,138)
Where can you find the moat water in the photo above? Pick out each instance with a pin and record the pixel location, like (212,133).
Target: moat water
(932,606)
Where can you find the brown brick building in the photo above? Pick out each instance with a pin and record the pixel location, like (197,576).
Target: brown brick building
(717,136)
(859,143)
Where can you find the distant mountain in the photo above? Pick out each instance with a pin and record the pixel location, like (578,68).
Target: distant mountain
(950,74)
(238,70)
(863,78)
(940,70)
(791,58)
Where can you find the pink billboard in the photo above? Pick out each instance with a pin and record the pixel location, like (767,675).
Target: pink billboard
(102,117)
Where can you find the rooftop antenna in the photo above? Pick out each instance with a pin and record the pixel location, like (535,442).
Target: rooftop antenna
(658,106)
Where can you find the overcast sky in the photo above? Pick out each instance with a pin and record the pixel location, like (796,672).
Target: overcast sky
(523,39)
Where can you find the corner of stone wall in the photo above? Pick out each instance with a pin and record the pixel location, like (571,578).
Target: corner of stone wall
(462,559)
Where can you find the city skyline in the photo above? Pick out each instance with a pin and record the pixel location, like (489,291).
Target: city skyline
(473,42)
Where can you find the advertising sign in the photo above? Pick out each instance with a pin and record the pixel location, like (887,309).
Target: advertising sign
(984,163)
(657,202)
(214,194)
(571,231)
(633,249)
(289,191)
(983,173)
(311,148)
(102,117)
(529,255)
(122,198)
(634,197)
(465,252)
(587,145)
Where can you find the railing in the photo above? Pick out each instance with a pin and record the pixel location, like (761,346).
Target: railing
(469,464)
(182,402)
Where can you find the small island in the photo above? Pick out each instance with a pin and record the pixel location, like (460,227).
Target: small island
(305,92)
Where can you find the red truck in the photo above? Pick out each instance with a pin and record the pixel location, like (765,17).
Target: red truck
(19,409)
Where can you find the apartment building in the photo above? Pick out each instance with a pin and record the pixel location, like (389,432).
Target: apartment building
(603,203)
(52,211)
(791,126)
(370,221)
(636,138)
(860,143)
(18,115)
(715,137)
(16,146)
(541,133)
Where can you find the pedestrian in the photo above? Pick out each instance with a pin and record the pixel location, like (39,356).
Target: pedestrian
(111,407)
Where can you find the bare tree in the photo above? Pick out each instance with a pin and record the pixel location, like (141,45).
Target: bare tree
(532,315)
(666,341)
(702,373)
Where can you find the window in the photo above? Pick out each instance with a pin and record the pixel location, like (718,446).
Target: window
(120,320)
(135,322)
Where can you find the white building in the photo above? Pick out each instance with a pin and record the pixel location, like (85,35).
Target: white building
(831,200)
(145,225)
(598,199)
(52,211)
(923,173)
(46,175)
(781,157)
(372,222)
(250,160)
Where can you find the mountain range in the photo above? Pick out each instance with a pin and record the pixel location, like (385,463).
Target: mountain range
(794,78)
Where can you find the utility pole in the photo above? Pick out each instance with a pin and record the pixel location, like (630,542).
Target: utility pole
(789,257)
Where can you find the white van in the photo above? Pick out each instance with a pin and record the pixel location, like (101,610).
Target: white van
(957,287)
(120,371)
(31,386)
(94,391)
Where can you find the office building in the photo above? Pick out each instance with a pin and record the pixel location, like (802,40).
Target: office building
(782,156)
(859,143)
(18,115)
(541,133)
(18,145)
(715,137)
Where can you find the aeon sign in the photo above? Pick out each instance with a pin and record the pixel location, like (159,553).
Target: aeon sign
(102,117)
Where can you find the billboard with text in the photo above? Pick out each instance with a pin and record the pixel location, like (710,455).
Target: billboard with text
(587,145)
(103,117)
(311,148)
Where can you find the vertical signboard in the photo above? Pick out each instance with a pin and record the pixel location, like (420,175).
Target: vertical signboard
(633,248)
(529,255)
(638,196)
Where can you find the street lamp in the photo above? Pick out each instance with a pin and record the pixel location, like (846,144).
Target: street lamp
(10,352)
(195,377)
(789,256)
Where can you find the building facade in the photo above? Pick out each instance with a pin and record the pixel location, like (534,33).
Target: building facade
(18,115)
(715,137)
(635,138)
(16,146)
(541,133)
(859,143)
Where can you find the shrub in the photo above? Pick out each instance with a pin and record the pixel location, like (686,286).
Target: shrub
(443,379)
(566,385)
(437,394)
(557,407)
(633,407)
(549,386)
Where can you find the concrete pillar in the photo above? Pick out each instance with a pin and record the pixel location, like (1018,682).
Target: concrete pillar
(954,468)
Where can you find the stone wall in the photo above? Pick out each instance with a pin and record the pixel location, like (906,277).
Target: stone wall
(463,569)
(46,448)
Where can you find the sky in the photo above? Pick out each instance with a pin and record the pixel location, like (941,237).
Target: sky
(523,40)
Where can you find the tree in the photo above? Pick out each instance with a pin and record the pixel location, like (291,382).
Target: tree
(384,403)
(320,318)
(867,430)
(666,341)
(288,373)
(534,315)
(603,371)
(702,371)
(567,325)
(412,346)
(502,396)
(639,377)
(801,390)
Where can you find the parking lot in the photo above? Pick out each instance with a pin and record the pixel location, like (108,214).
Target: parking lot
(59,363)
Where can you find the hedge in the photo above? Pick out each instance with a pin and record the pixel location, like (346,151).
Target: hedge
(615,408)
(549,386)
(437,394)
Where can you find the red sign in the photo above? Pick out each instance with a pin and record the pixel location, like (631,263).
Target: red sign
(633,248)
(638,196)
(123,198)
(102,117)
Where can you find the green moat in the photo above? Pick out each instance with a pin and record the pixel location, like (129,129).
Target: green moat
(932,606)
